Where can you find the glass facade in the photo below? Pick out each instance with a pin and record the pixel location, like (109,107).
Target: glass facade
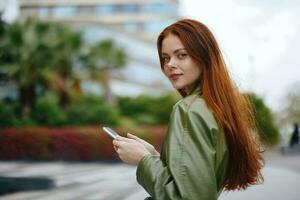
(64,12)
(159,8)
(106,9)
(140,23)
(61,12)
(156,27)
(130,8)
(43,12)
(133,26)
(85,10)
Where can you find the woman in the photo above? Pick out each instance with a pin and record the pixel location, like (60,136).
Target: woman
(210,144)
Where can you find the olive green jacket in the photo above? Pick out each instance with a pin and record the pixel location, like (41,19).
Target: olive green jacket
(194,155)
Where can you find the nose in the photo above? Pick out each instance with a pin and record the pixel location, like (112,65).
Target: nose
(171,64)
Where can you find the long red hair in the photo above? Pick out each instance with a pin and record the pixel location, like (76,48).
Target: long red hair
(231,109)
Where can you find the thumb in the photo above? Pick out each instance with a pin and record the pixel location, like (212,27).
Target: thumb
(133,137)
(141,141)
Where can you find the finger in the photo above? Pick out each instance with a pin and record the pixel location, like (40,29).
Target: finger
(129,135)
(118,144)
(121,144)
(115,142)
(133,136)
(125,139)
(118,152)
(121,138)
(115,148)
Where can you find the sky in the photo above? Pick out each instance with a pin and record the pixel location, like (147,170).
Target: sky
(10,9)
(259,39)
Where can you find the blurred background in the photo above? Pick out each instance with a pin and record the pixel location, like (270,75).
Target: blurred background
(68,67)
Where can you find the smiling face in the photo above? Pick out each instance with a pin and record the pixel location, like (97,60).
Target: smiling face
(178,65)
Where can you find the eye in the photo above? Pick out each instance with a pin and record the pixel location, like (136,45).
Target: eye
(181,55)
(165,60)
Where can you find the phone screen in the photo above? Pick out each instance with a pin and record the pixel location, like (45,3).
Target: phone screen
(110,132)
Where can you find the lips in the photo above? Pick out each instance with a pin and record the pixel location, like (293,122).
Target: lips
(174,77)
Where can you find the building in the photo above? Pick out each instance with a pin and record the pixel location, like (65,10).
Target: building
(133,24)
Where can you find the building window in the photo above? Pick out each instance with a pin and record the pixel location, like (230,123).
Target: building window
(131,27)
(106,9)
(130,8)
(85,10)
(65,12)
(159,8)
(43,11)
(156,27)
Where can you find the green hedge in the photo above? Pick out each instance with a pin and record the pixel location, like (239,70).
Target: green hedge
(90,110)
(87,110)
(148,110)
(47,112)
(7,117)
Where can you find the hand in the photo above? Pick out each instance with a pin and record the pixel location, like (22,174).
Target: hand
(129,150)
(148,146)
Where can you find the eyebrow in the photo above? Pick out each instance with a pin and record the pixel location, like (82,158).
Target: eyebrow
(176,51)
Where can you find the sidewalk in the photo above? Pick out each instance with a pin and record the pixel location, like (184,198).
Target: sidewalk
(279,184)
(282,180)
(103,181)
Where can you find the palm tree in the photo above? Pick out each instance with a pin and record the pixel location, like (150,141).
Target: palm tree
(36,52)
(3,27)
(25,54)
(102,58)
(67,49)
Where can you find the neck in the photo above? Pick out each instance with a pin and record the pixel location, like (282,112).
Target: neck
(191,88)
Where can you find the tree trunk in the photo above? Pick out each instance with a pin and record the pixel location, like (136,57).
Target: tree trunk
(64,99)
(104,80)
(27,100)
(76,88)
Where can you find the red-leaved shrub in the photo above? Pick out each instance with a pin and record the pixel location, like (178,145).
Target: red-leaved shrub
(69,143)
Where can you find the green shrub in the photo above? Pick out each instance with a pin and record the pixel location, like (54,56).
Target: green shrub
(91,110)
(48,112)
(10,116)
(132,106)
(267,129)
(7,117)
(148,110)
(146,118)
(27,122)
(163,106)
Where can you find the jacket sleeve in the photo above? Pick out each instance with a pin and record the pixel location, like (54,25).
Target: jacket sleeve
(190,172)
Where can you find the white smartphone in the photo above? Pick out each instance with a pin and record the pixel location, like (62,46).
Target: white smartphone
(110,132)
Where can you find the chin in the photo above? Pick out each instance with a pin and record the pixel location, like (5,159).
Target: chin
(178,87)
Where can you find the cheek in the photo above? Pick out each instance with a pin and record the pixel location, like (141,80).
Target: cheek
(164,72)
(199,73)
(194,72)
(193,76)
